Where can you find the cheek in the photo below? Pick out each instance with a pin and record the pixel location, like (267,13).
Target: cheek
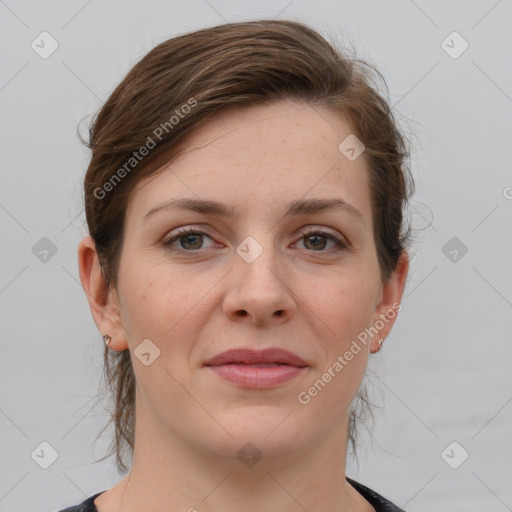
(347,308)
(345,305)
(162,304)
(152,301)
(357,304)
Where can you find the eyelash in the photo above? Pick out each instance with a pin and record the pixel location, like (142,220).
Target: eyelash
(340,243)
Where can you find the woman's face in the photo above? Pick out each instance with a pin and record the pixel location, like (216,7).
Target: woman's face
(256,278)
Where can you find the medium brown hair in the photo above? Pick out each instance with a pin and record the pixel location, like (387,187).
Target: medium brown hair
(187,79)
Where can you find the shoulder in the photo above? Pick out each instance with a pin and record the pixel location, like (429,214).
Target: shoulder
(378,502)
(86,505)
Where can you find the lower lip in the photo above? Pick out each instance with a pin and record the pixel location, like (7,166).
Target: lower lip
(257,377)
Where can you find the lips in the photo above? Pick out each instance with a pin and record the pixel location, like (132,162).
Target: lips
(269,356)
(251,369)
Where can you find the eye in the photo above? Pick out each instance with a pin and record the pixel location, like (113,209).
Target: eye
(190,239)
(317,240)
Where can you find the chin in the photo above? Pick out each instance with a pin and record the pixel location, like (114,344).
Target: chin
(258,431)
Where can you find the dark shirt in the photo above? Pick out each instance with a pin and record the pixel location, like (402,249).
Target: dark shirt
(378,502)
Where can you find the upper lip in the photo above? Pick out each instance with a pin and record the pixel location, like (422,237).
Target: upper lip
(249,356)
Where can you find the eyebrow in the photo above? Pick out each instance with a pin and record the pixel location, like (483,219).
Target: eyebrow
(295,208)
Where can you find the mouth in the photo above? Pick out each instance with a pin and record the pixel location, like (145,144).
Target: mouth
(246,356)
(257,369)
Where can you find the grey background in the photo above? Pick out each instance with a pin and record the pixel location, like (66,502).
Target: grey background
(444,374)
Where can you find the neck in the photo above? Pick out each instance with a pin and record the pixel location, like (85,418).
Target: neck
(168,474)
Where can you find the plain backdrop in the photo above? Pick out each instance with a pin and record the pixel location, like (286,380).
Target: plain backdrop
(444,375)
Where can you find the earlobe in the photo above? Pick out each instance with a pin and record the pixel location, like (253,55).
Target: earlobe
(102,301)
(390,304)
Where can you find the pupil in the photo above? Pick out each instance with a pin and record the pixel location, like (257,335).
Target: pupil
(188,238)
(316,244)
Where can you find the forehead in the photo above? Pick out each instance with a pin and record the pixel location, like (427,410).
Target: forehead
(262,155)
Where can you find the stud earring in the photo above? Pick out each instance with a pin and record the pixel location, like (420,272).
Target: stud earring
(107,339)
(381,341)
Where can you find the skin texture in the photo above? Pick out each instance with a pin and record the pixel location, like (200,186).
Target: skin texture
(203,298)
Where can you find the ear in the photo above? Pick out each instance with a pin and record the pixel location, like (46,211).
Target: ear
(104,303)
(389,301)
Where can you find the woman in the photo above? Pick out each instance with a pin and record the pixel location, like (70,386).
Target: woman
(246,255)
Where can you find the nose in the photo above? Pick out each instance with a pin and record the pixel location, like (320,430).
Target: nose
(258,292)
